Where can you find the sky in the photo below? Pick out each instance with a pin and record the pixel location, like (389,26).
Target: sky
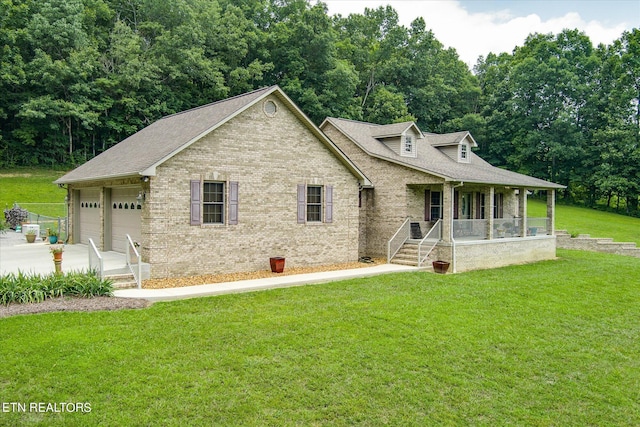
(478,27)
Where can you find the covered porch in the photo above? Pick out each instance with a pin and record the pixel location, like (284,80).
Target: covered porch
(472,226)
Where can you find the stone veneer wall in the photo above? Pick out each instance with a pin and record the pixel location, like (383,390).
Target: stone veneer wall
(387,205)
(503,252)
(268,157)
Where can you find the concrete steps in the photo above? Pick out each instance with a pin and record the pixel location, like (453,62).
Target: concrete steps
(408,255)
(596,244)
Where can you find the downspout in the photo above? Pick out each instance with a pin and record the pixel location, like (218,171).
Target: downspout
(453,241)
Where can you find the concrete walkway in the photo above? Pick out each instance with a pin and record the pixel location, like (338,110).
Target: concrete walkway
(260,284)
(18,255)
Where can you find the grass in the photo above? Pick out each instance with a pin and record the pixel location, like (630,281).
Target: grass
(34,190)
(579,220)
(552,343)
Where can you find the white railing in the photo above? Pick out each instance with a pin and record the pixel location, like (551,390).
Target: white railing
(398,239)
(506,227)
(470,229)
(136,269)
(94,255)
(538,226)
(431,239)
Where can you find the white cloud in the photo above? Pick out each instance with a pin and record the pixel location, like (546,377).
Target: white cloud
(475,34)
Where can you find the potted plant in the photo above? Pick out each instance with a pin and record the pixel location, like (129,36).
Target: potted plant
(53,236)
(30,235)
(57,252)
(440,267)
(277,264)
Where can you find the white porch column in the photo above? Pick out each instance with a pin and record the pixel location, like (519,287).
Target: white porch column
(522,211)
(551,211)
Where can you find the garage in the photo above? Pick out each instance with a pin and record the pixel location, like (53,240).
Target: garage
(89,215)
(125,217)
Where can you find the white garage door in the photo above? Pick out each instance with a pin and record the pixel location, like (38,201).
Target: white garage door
(89,216)
(125,217)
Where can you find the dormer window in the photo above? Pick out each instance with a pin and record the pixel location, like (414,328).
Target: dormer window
(408,144)
(464,152)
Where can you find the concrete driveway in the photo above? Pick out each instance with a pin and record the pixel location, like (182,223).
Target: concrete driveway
(18,255)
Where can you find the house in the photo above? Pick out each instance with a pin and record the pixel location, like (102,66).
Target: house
(432,196)
(221,188)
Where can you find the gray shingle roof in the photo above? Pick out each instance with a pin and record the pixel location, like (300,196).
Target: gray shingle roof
(160,140)
(432,160)
(141,152)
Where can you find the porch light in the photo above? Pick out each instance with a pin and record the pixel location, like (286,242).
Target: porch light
(144,179)
(141,197)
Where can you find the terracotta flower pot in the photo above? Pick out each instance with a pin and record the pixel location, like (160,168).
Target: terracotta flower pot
(277,264)
(57,256)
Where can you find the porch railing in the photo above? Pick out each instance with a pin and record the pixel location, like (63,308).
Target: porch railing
(506,227)
(398,239)
(136,268)
(538,226)
(470,229)
(96,263)
(429,241)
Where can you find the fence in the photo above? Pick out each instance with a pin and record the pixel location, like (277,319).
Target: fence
(59,223)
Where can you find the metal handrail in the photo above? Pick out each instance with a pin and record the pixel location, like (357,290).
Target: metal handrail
(136,274)
(93,250)
(404,237)
(436,227)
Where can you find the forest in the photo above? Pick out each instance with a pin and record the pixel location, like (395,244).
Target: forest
(78,76)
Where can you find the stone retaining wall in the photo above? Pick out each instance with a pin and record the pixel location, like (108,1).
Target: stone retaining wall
(585,242)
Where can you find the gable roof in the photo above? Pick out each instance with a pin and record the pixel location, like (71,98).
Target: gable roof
(455,138)
(395,129)
(432,160)
(142,152)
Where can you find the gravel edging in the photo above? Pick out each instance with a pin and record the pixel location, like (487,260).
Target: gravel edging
(73,304)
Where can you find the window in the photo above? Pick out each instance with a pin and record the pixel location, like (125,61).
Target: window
(408,144)
(498,205)
(480,205)
(433,205)
(315,203)
(464,152)
(213,203)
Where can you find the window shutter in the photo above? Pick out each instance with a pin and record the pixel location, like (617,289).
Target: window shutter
(500,205)
(427,205)
(302,203)
(478,206)
(233,203)
(328,200)
(456,196)
(195,203)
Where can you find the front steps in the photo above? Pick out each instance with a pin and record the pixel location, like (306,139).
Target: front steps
(585,242)
(408,255)
(122,278)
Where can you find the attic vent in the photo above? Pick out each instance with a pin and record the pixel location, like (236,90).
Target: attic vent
(270,108)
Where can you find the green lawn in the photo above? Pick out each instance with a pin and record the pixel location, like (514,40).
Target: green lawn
(552,343)
(34,190)
(578,220)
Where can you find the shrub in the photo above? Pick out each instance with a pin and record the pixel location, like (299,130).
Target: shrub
(31,288)
(15,216)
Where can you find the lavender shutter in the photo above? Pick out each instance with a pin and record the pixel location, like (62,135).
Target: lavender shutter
(302,203)
(328,203)
(195,203)
(233,203)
